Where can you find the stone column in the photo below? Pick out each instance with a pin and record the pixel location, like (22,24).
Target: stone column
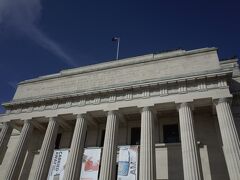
(74,161)
(191,165)
(108,164)
(16,162)
(5,135)
(47,149)
(230,139)
(147,146)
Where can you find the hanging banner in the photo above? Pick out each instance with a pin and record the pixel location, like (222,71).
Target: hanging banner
(90,164)
(128,163)
(58,164)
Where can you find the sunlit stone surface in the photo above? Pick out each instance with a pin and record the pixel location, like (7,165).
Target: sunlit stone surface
(180,111)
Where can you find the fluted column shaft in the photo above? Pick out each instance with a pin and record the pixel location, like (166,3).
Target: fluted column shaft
(147,146)
(108,164)
(5,135)
(46,151)
(20,152)
(74,161)
(230,139)
(191,166)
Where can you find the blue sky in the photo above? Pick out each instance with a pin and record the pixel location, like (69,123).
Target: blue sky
(39,37)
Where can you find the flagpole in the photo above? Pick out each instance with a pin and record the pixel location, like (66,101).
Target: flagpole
(118,40)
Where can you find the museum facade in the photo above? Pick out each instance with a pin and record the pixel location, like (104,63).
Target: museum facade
(167,116)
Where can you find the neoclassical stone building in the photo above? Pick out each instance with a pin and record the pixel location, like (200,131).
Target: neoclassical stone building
(182,108)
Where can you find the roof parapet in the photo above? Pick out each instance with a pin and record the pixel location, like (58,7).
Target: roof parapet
(119,63)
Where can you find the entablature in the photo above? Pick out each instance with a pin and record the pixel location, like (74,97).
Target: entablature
(151,88)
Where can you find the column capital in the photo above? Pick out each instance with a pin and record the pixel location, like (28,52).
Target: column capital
(222,100)
(146,108)
(27,120)
(112,112)
(82,115)
(53,119)
(185,104)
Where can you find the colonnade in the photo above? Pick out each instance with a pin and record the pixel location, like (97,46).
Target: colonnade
(191,165)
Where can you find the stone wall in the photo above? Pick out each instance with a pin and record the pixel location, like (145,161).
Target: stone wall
(118,75)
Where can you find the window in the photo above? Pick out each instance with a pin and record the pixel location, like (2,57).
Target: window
(171,133)
(102,138)
(58,140)
(135,136)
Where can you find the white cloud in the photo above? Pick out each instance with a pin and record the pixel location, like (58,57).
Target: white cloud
(22,16)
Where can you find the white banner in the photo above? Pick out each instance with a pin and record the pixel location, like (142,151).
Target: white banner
(90,164)
(128,163)
(58,163)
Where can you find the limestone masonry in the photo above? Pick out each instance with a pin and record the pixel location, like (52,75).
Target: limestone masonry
(166,116)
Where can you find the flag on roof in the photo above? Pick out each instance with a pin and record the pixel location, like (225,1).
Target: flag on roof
(115,39)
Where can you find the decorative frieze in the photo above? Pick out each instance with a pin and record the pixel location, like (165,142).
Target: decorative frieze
(182,87)
(154,91)
(68,104)
(173,88)
(201,84)
(192,85)
(39,107)
(120,96)
(104,98)
(163,90)
(222,83)
(16,110)
(137,93)
(160,89)
(53,105)
(25,109)
(75,102)
(112,97)
(145,92)
(128,95)
(63,104)
(93,100)
(82,102)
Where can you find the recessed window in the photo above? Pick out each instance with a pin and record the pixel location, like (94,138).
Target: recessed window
(102,138)
(58,140)
(135,136)
(171,133)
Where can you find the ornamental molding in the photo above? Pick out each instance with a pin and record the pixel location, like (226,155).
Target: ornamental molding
(138,91)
